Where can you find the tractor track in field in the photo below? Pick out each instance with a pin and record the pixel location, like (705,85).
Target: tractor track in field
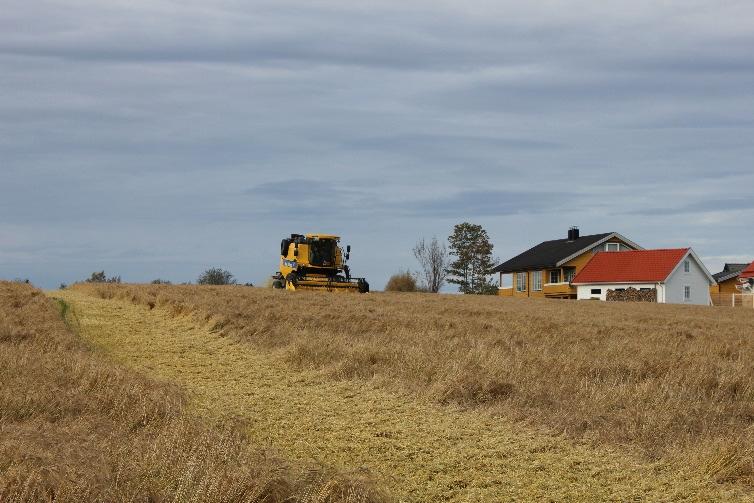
(417,450)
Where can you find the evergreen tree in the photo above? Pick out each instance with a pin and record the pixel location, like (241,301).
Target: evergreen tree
(471,266)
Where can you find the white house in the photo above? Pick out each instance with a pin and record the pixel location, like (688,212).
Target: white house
(677,275)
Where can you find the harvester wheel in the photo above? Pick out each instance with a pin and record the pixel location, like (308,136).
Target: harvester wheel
(278,283)
(363,286)
(291,278)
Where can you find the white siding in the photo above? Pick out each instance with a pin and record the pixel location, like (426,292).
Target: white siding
(695,278)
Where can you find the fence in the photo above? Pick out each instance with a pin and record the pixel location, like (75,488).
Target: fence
(733,299)
(743,299)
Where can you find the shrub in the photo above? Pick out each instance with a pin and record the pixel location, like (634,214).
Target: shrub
(159,281)
(401,282)
(216,276)
(101,277)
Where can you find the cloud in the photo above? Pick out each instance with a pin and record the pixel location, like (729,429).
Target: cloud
(448,142)
(736,204)
(317,198)
(312,198)
(489,203)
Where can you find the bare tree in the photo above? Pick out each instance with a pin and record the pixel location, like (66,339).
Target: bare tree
(433,260)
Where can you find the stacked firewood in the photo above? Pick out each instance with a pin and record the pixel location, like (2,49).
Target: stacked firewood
(631,294)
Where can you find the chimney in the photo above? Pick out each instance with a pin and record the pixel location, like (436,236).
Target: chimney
(573,233)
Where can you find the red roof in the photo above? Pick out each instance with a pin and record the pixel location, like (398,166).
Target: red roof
(748,272)
(650,266)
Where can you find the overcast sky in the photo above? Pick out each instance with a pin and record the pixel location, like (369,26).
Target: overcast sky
(158,138)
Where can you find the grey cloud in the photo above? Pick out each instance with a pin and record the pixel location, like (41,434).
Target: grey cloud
(735,204)
(448,142)
(400,39)
(587,89)
(695,120)
(313,199)
(488,203)
(316,198)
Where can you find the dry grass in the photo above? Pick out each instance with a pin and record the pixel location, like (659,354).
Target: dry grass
(422,451)
(674,383)
(76,427)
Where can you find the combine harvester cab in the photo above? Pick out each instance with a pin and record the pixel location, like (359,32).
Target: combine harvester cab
(316,262)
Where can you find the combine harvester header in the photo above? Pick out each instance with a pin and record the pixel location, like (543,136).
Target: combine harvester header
(316,262)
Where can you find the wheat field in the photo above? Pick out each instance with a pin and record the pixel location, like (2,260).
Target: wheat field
(75,426)
(666,386)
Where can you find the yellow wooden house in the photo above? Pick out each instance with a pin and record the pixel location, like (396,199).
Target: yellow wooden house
(727,281)
(546,270)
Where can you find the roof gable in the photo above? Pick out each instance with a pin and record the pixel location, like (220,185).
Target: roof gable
(734,267)
(699,263)
(652,266)
(730,271)
(556,252)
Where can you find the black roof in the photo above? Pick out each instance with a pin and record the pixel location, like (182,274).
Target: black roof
(549,253)
(729,271)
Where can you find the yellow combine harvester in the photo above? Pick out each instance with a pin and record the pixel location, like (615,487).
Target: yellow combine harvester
(316,262)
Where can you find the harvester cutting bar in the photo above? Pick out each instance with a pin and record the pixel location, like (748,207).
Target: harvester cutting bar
(308,283)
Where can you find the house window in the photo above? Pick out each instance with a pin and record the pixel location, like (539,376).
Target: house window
(686,266)
(612,247)
(520,281)
(569,274)
(596,291)
(536,281)
(620,289)
(506,280)
(555,276)
(687,293)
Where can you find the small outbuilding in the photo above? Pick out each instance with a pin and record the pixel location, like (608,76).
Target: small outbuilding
(671,276)
(727,285)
